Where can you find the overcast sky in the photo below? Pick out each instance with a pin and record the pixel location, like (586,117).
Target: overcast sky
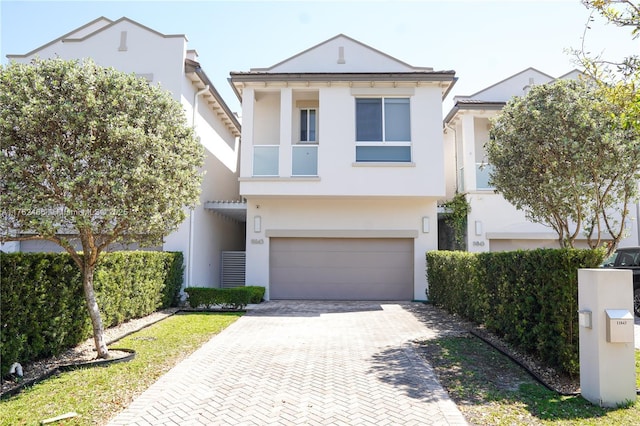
(483,41)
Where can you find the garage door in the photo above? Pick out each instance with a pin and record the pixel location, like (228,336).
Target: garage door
(341,268)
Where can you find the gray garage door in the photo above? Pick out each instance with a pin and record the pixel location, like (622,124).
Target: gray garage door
(341,268)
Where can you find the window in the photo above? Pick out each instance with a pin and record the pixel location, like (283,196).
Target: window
(308,125)
(383,130)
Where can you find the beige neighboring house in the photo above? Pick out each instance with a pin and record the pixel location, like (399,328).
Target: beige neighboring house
(493,223)
(342,167)
(214,227)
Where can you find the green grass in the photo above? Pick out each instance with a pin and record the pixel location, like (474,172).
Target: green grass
(99,393)
(490,389)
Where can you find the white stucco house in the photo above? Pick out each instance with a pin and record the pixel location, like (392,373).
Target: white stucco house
(334,191)
(212,228)
(493,223)
(342,166)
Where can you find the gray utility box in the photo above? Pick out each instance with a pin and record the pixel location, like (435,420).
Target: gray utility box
(619,326)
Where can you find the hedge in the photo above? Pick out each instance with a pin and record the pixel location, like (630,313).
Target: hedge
(43,308)
(529,298)
(226,298)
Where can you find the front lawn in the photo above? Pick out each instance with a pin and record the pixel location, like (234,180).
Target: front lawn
(490,389)
(98,394)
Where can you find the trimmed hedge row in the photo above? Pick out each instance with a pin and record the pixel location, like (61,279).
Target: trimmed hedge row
(43,308)
(529,298)
(226,298)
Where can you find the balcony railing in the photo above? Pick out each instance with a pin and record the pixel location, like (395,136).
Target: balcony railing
(483,173)
(304,160)
(265,160)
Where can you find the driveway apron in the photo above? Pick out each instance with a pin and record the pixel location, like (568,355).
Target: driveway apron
(309,363)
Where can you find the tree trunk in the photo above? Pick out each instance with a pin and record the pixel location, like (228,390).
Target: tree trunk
(94,311)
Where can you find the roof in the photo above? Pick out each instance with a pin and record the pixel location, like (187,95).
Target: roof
(473,104)
(342,59)
(193,69)
(349,39)
(509,78)
(480,100)
(108,23)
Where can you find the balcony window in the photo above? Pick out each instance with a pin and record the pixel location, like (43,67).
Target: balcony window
(383,130)
(308,125)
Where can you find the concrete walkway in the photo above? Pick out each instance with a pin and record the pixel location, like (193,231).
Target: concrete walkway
(305,363)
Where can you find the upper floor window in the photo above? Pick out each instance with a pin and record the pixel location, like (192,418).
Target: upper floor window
(383,130)
(308,125)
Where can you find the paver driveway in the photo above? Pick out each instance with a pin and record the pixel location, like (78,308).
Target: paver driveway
(311,363)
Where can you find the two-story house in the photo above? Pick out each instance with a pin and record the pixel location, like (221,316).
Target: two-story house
(342,166)
(493,223)
(164,59)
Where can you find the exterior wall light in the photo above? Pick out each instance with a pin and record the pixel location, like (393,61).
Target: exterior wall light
(478,227)
(257,224)
(425,224)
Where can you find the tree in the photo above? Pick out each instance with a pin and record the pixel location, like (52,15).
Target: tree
(562,154)
(91,156)
(622,13)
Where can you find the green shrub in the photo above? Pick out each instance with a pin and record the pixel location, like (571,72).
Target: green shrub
(225,298)
(257,293)
(529,298)
(43,308)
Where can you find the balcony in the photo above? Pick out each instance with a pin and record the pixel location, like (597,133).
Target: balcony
(304,160)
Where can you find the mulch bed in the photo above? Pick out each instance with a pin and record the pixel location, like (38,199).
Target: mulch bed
(83,355)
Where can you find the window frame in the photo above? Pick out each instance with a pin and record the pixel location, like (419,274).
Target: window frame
(383,118)
(307,123)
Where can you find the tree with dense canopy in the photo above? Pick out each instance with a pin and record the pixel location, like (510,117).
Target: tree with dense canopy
(562,155)
(91,156)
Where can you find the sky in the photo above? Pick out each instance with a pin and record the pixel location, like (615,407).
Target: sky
(483,41)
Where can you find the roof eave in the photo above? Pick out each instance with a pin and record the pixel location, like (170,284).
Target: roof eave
(244,77)
(462,105)
(191,66)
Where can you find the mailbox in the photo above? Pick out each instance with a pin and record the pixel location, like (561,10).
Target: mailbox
(619,326)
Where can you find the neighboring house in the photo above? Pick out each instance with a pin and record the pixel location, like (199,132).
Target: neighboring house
(493,223)
(128,46)
(342,169)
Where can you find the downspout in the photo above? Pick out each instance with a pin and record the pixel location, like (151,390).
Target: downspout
(189,276)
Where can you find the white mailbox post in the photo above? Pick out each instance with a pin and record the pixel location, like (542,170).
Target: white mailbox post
(607,351)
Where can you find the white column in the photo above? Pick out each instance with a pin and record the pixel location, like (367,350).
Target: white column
(607,351)
(469,153)
(286,114)
(246,147)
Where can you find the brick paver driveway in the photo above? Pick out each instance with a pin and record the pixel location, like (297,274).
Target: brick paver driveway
(310,363)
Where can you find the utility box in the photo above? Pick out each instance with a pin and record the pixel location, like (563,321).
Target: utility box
(606,334)
(619,326)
